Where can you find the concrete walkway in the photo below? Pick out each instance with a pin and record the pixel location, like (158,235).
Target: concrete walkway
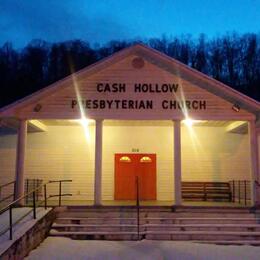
(65,248)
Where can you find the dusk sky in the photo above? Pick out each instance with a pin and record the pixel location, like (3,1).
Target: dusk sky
(101,21)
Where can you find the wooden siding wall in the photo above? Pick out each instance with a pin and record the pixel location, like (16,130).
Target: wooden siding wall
(8,141)
(258,142)
(147,139)
(64,153)
(58,105)
(214,155)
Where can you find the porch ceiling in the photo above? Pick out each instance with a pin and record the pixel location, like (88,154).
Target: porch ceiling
(137,123)
(238,127)
(42,125)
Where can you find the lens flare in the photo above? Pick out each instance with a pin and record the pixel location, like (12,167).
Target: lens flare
(84,121)
(188,122)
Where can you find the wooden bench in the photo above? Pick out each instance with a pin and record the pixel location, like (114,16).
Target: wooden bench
(206,191)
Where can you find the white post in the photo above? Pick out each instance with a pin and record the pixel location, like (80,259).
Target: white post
(98,163)
(20,159)
(177,162)
(254,160)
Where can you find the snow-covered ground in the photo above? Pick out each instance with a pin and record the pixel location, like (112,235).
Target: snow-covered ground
(21,227)
(65,248)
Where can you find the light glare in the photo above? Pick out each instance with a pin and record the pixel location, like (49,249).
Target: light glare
(188,122)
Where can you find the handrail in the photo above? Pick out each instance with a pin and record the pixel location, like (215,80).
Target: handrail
(10,195)
(137,207)
(257,183)
(23,197)
(6,184)
(239,188)
(33,192)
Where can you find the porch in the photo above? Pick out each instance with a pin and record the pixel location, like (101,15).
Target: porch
(206,151)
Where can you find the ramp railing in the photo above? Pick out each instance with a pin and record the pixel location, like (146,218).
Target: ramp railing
(137,207)
(5,188)
(35,203)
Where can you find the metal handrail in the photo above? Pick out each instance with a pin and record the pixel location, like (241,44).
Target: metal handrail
(9,196)
(237,187)
(257,184)
(33,192)
(137,207)
(6,184)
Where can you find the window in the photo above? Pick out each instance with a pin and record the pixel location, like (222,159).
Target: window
(145,159)
(125,159)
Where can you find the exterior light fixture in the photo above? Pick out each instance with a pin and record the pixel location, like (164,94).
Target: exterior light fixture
(188,122)
(37,108)
(145,159)
(125,159)
(236,107)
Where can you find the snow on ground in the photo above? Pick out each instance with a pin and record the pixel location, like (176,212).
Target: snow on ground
(21,227)
(66,248)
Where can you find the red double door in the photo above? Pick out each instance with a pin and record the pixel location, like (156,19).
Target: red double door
(130,166)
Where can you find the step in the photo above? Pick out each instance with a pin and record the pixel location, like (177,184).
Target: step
(73,220)
(221,208)
(197,215)
(203,227)
(250,220)
(157,227)
(207,237)
(92,214)
(201,235)
(151,215)
(154,209)
(115,208)
(94,227)
(230,242)
(105,235)
(96,221)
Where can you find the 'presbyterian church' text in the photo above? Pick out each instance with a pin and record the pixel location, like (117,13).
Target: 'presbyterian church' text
(138,104)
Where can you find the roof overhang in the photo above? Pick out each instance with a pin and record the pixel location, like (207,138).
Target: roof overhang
(161,60)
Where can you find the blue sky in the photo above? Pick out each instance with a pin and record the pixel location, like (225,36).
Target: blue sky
(101,21)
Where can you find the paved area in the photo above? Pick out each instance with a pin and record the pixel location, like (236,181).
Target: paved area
(65,248)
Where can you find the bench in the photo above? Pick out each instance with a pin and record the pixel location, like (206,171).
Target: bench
(206,191)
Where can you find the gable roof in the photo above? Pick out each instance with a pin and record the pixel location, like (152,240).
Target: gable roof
(157,58)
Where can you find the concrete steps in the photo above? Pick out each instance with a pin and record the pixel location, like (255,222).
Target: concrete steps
(95,227)
(172,220)
(201,235)
(96,235)
(157,227)
(205,225)
(231,242)
(99,220)
(190,220)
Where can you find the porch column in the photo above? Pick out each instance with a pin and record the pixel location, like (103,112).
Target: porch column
(177,162)
(20,158)
(98,162)
(254,160)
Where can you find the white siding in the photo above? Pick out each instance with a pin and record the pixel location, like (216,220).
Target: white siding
(62,152)
(258,142)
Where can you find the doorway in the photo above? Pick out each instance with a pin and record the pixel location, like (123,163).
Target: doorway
(127,168)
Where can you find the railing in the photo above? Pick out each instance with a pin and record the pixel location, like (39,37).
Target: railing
(21,200)
(59,195)
(137,207)
(12,195)
(240,191)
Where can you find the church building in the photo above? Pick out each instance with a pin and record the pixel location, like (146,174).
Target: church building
(136,115)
